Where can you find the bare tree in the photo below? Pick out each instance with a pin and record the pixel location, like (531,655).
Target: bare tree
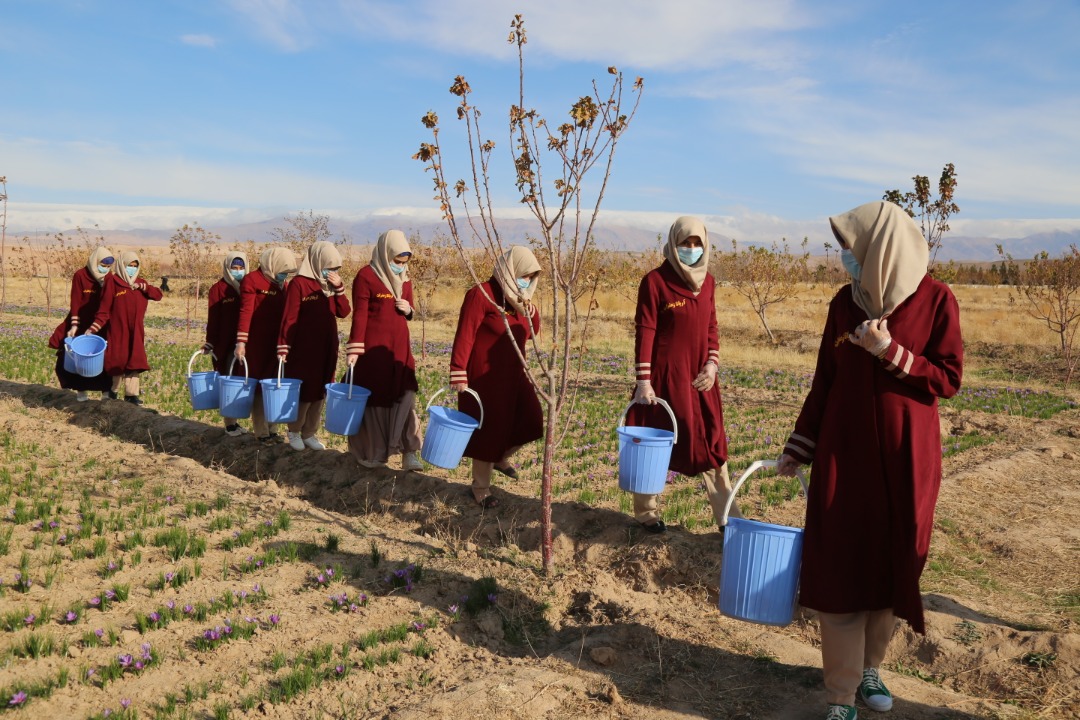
(565,216)
(933,214)
(3,243)
(193,250)
(764,276)
(430,261)
(1051,287)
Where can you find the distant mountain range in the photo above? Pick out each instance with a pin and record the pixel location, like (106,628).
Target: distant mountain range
(608,236)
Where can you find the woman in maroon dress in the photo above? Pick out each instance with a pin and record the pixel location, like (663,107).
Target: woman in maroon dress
(891,347)
(124,299)
(222,318)
(678,349)
(379,353)
(485,360)
(86,286)
(313,301)
(262,302)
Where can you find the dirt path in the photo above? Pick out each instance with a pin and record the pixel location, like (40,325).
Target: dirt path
(626,629)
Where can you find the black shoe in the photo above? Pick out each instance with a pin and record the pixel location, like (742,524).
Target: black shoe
(112,396)
(509,471)
(133,399)
(655,528)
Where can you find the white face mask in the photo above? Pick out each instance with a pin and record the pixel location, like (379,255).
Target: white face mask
(396,269)
(523,283)
(851,264)
(690,255)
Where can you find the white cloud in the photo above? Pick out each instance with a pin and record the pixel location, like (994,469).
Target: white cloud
(283,23)
(208,41)
(105,169)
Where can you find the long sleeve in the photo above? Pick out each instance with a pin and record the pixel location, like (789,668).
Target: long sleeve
(939,369)
(247,308)
(802,442)
(645,323)
(714,334)
(78,288)
(339,303)
(151,292)
(213,313)
(361,299)
(105,308)
(293,297)
(407,296)
(472,314)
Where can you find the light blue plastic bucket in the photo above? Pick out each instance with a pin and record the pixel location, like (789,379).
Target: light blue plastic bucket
(644,454)
(203,386)
(69,358)
(759,577)
(236,394)
(448,433)
(87,353)
(281,397)
(345,405)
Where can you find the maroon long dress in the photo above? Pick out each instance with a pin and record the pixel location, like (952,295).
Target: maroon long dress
(484,356)
(676,336)
(222,319)
(309,329)
(121,314)
(85,300)
(387,367)
(262,303)
(871,429)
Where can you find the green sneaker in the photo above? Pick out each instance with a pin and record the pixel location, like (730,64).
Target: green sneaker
(873,691)
(842,712)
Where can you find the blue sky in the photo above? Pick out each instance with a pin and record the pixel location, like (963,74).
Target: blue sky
(764,116)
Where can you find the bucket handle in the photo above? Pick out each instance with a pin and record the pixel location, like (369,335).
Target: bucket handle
(280,370)
(67,345)
(754,467)
(472,392)
(233,362)
(661,401)
(192,360)
(348,379)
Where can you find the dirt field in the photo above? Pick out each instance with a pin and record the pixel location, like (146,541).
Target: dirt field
(445,612)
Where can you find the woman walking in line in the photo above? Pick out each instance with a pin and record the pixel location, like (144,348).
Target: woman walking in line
(378,350)
(677,348)
(485,360)
(222,318)
(313,302)
(86,286)
(262,302)
(891,347)
(122,313)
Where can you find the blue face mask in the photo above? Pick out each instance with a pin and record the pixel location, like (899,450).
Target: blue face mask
(281,277)
(132,271)
(238,275)
(690,255)
(103,269)
(851,264)
(325,273)
(396,269)
(523,283)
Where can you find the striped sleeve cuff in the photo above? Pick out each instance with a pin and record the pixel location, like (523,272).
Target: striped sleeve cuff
(74,320)
(354,347)
(283,347)
(241,337)
(898,360)
(458,376)
(340,290)
(94,328)
(714,357)
(800,447)
(644,371)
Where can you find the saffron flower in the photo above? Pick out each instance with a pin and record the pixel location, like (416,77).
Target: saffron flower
(188,609)
(125,661)
(275,619)
(71,616)
(125,703)
(95,601)
(100,632)
(30,619)
(17,699)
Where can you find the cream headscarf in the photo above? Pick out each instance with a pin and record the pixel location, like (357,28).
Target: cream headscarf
(391,244)
(892,251)
(277,260)
(230,258)
(119,268)
(95,259)
(320,256)
(517,262)
(682,228)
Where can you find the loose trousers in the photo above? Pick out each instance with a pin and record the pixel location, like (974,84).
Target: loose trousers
(851,642)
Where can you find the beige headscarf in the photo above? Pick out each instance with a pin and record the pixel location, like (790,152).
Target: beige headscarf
(892,251)
(99,254)
(230,258)
(391,244)
(119,268)
(277,260)
(682,228)
(320,256)
(517,262)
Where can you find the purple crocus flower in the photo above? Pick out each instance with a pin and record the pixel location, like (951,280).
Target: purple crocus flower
(275,619)
(339,669)
(188,609)
(125,661)
(171,604)
(493,598)
(17,699)
(30,619)
(146,651)
(71,616)
(110,594)
(125,703)
(90,672)
(95,601)
(100,633)
(155,617)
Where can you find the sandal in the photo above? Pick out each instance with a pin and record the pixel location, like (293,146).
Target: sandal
(509,471)
(655,528)
(486,502)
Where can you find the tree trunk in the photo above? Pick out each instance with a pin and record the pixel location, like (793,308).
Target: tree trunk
(765,324)
(545,490)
